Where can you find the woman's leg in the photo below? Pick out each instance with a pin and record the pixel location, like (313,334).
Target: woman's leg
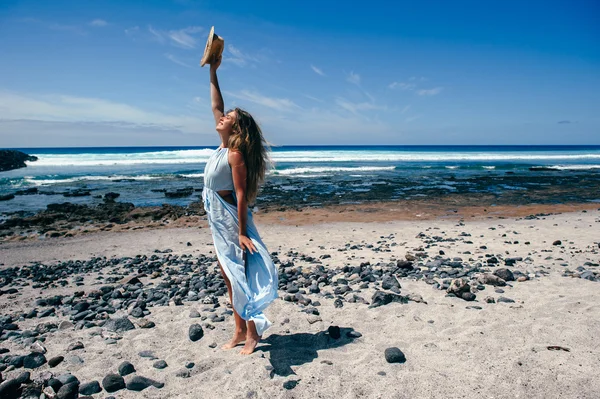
(239,334)
(252,339)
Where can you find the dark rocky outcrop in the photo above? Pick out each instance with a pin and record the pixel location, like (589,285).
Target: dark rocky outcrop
(13,159)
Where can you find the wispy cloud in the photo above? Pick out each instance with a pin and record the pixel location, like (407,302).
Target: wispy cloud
(405,109)
(318,71)
(133,31)
(430,92)
(99,23)
(240,58)
(353,78)
(55,26)
(66,108)
(402,86)
(413,118)
(354,107)
(313,98)
(565,122)
(182,38)
(279,104)
(176,60)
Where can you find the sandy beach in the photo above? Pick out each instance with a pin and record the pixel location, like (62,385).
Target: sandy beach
(531,334)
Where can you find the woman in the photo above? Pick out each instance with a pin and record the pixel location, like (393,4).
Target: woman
(232,177)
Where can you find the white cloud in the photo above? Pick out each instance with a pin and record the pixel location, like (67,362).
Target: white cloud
(354,107)
(405,109)
(430,92)
(182,38)
(317,70)
(313,98)
(98,23)
(279,104)
(241,58)
(133,31)
(66,108)
(176,60)
(402,86)
(353,78)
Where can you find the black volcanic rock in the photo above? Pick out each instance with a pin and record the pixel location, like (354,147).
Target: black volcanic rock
(13,159)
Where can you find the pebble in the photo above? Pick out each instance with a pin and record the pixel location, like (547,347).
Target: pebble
(195,332)
(113,383)
(148,354)
(139,383)
(506,300)
(34,360)
(394,355)
(119,325)
(75,346)
(8,389)
(334,332)
(67,378)
(291,384)
(160,364)
(353,334)
(24,377)
(126,368)
(145,323)
(90,388)
(68,391)
(505,274)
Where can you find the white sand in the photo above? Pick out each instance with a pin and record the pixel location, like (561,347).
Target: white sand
(452,352)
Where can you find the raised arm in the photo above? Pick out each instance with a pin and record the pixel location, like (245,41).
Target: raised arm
(216,99)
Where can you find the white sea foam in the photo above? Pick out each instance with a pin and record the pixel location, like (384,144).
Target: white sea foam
(397,156)
(202,155)
(326,169)
(574,167)
(47,182)
(140,158)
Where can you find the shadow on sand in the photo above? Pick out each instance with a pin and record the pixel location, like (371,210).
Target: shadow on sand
(296,349)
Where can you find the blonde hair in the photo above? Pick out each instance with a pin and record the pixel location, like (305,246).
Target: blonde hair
(247,138)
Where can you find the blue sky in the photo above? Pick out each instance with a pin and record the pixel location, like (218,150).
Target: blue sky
(112,73)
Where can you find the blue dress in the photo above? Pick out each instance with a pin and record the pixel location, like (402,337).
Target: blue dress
(254,282)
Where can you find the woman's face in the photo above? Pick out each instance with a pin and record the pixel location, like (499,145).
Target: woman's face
(226,122)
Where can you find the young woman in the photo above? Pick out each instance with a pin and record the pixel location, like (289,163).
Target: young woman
(232,177)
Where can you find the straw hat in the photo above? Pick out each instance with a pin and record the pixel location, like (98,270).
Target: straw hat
(214,47)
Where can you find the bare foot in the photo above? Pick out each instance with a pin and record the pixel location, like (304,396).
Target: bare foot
(238,337)
(251,342)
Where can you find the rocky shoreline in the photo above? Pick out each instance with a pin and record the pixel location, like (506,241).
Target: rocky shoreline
(13,159)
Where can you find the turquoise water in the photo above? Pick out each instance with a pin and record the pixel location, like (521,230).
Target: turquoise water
(349,172)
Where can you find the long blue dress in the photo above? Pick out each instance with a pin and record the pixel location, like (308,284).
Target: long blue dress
(254,282)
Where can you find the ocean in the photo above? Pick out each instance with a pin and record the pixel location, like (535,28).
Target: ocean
(310,175)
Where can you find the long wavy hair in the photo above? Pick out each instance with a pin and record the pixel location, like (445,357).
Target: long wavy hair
(247,138)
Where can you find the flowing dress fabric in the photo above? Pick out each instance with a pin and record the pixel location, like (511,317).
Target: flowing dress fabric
(253,277)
